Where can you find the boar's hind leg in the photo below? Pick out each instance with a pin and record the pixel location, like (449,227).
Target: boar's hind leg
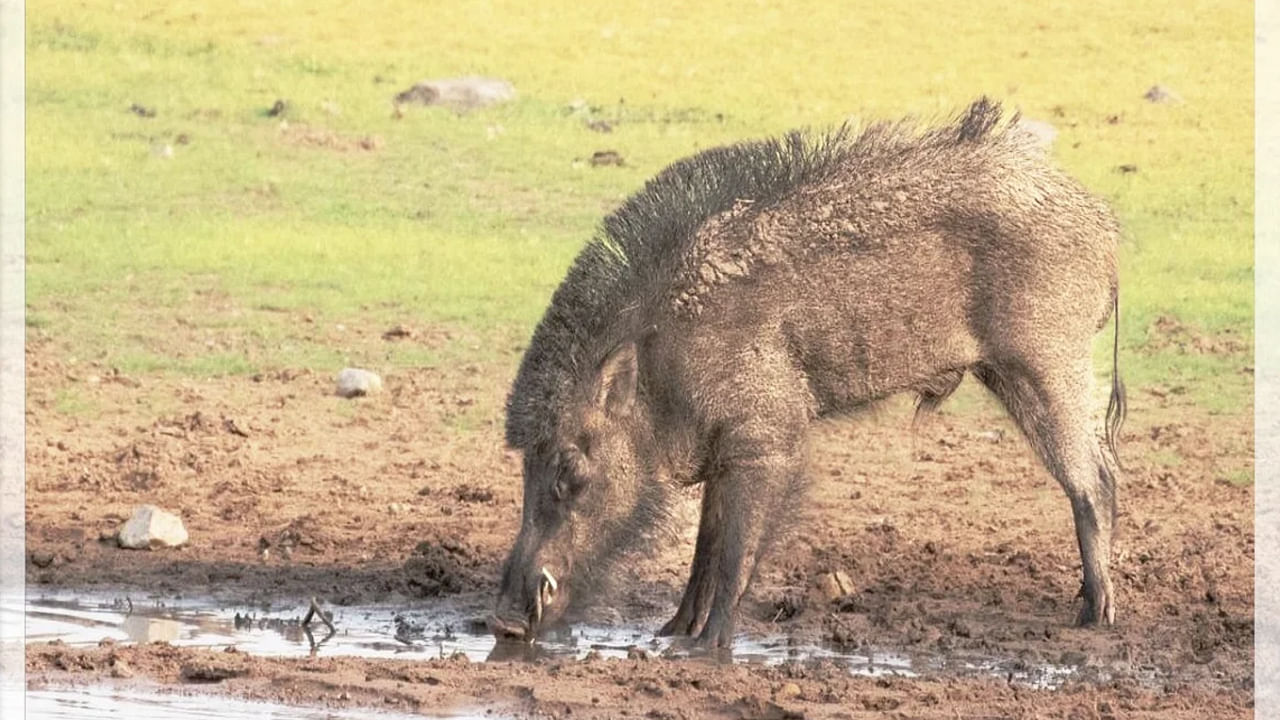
(739,515)
(1050,403)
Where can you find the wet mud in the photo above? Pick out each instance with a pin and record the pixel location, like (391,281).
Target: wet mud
(394,511)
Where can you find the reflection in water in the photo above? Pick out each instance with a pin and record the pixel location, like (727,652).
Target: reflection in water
(442,630)
(106,703)
(142,629)
(515,651)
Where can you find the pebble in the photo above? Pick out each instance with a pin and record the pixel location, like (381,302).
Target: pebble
(1043,132)
(833,585)
(151,527)
(992,436)
(459,93)
(1161,94)
(637,653)
(354,382)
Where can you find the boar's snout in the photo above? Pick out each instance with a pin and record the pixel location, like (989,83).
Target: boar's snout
(505,628)
(528,600)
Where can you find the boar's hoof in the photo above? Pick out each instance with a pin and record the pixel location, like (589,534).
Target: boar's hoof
(1097,609)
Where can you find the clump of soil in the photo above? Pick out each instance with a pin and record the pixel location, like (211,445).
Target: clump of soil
(303,136)
(1168,332)
(441,568)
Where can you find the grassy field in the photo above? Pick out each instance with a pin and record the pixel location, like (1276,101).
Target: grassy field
(254,234)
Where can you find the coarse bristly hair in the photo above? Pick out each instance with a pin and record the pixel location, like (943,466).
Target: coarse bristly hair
(619,278)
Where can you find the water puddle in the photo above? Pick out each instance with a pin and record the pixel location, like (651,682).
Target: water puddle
(105,703)
(440,630)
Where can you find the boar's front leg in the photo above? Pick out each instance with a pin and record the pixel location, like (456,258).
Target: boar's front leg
(698,594)
(754,477)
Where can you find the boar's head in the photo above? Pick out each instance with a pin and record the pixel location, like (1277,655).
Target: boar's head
(590,491)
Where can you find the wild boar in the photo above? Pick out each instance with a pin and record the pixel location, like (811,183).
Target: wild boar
(750,290)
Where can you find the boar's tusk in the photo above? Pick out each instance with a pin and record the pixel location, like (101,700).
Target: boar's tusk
(551,580)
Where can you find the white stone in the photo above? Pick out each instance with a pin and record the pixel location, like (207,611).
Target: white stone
(1162,94)
(353,382)
(1044,133)
(459,93)
(151,527)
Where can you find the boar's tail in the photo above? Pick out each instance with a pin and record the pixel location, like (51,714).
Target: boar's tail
(980,120)
(1117,408)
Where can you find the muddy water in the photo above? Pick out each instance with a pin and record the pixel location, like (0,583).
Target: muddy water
(437,631)
(103,703)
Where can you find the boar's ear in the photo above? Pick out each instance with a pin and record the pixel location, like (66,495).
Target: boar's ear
(615,386)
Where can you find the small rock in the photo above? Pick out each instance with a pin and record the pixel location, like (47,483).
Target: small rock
(353,382)
(213,670)
(650,687)
(121,669)
(790,690)
(41,558)
(600,126)
(398,332)
(142,111)
(833,585)
(1127,168)
(151,527)
(1043,132)
(1161,94)
(602,158)
(459,93)
(992,436)
(396,508)
(468,494)
(637,653)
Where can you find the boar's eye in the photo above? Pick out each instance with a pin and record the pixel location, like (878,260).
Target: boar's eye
(569,480)
(567,487)
(584,444)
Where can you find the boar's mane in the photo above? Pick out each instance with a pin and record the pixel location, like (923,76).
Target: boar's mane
(618,284)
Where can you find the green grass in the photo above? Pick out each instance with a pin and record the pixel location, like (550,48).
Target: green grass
(468,221)
(71,401)
(1165,457)
(1243,478)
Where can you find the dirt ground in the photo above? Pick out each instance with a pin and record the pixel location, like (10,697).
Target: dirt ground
(954,541)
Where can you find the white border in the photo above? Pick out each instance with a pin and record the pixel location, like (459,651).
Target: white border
(1266,287)
(12,345)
